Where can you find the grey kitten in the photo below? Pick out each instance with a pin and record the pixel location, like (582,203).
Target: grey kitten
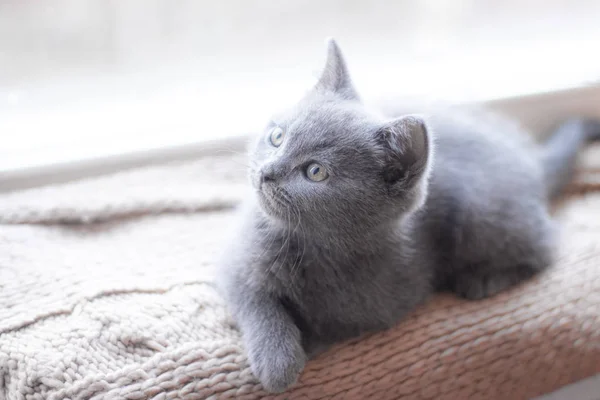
(355,219)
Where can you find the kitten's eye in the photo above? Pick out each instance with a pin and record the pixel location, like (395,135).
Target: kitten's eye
(276,136)
(316,172)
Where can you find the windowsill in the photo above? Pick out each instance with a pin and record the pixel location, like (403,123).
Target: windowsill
(119,126)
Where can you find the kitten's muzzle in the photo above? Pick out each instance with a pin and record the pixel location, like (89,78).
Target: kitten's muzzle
(269,174)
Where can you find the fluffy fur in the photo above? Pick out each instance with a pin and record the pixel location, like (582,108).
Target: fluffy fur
(315,263)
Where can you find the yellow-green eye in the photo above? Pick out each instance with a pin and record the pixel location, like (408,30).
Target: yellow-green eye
(316,172)
(276,136)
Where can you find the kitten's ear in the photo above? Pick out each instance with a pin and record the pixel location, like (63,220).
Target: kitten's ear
(335,77)
(408,151)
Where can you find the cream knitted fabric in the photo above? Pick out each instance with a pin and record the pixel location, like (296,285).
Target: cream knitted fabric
(106,293)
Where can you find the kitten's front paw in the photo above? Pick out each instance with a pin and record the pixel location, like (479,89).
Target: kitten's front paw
(278,368)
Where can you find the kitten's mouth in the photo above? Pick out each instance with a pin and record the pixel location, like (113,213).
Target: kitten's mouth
(275,201)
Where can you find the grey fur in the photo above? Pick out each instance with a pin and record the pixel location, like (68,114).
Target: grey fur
(561,151)
(315,263)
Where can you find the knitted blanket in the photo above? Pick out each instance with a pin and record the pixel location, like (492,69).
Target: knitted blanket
(106,293)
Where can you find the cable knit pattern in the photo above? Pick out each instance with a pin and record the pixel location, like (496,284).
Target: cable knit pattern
(106,293)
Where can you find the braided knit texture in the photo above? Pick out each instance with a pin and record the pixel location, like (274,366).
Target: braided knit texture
(106,293)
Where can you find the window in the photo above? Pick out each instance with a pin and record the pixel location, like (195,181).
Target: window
(86,79)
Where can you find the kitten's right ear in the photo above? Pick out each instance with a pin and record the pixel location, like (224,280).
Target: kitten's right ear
(335,77)
(408,151)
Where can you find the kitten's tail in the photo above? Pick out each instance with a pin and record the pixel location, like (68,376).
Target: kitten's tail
(560,152)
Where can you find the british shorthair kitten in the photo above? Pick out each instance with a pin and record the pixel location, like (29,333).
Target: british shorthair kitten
(356,219)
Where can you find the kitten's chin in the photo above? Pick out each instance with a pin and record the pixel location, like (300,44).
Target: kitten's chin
(270,207)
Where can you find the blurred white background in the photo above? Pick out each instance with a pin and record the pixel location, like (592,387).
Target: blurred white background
(88,78)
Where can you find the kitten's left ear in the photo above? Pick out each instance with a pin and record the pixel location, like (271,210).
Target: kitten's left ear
(407,146)
(335,77)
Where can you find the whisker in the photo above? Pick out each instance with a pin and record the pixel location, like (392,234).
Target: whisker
(296,267)
(270,238)
(246,166)
(292,232)
(231,151)
(283,244)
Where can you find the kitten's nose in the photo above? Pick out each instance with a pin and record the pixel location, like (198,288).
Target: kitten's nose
(267,174)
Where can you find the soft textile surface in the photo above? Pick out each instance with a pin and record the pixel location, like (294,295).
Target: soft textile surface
(106,293)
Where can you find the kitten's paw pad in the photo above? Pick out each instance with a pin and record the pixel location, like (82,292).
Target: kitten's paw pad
(278,370)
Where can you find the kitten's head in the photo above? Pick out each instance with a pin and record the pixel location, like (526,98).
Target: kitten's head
(330,164)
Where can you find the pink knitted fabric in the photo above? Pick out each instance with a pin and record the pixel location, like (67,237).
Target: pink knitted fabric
(106,293)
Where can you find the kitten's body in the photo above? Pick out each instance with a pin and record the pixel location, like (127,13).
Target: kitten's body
(486,218)
(316,263)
